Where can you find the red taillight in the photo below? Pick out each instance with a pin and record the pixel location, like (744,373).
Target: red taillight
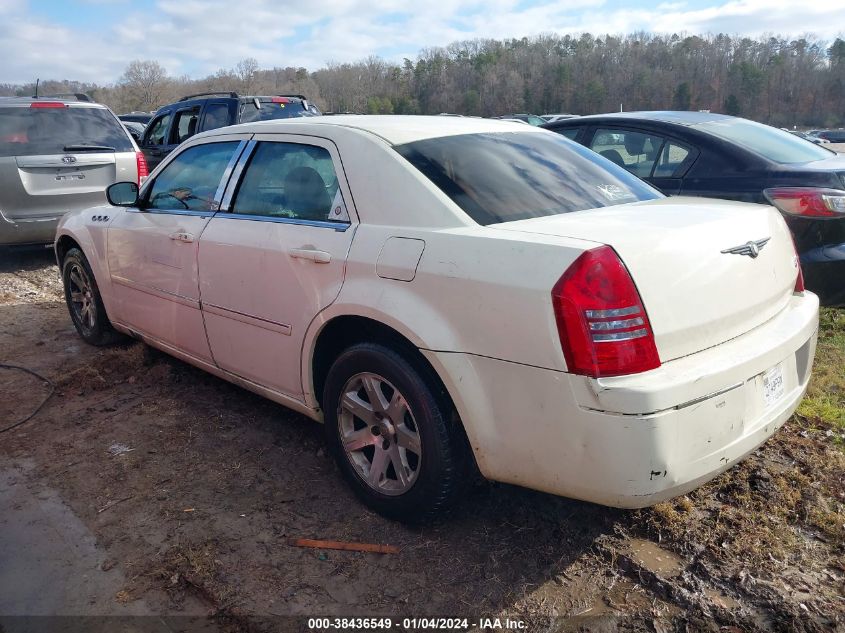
(280,100)
(143,170)
(809,202)
(602,324)
(46,104)
(799,281)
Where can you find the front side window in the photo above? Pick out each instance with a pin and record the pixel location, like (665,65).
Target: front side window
(291,180)
(32,131)
(190,180)
(157,133)
(502,177)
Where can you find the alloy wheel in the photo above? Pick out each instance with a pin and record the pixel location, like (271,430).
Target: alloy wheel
(379,434)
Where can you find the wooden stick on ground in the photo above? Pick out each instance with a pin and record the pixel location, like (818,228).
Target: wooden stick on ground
(351,547)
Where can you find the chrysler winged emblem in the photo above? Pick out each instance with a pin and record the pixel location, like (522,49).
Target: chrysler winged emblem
(752,249)
(68,160)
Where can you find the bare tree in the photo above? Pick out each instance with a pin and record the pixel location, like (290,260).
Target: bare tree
(146,82)
(245,71)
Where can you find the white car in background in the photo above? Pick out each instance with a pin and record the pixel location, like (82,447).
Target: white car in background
(449,293)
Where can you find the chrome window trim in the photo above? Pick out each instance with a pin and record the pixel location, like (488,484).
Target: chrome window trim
(227,173)
(337,226)
(235,177)
(201,214)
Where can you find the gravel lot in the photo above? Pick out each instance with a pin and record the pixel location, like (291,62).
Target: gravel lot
(190,488)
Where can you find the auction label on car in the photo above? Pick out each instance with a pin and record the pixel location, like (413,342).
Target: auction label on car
(773,388)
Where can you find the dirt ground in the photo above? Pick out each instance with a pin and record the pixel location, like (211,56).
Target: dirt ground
(191,488)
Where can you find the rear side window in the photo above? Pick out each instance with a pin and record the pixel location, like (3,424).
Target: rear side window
(291,180)
(501,177)
(26,131)
(216,116)
(635,151)
(672,162)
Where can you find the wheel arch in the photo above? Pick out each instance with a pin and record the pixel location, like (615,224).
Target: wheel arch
(62,245)
(343,330)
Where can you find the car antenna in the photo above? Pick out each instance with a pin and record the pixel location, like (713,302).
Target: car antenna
(36,87)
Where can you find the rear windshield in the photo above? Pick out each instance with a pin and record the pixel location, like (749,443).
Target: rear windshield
(765,140)
(270,111)
(26,131)
(502,177)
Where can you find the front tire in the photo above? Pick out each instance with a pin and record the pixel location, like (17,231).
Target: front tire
(84,302)
(392,433)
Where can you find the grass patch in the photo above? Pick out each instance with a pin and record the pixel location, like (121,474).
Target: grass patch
(824,404)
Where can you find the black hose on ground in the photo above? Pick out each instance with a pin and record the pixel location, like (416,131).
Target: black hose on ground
(40,406)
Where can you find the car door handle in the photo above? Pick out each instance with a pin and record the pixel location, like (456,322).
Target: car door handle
(181,236)
(311,254)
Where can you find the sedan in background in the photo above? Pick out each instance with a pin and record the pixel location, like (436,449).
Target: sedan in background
(718,156)
(551,118)
(136,130)
(832,136)
(807,137)
(137,117)
(450,293)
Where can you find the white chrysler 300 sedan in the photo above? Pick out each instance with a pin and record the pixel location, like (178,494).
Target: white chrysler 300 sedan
(449,294)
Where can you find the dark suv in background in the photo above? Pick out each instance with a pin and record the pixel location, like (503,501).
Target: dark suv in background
(179,121)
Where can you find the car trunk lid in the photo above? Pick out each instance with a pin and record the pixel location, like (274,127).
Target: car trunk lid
(692,263)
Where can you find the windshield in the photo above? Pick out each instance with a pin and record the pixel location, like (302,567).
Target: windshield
(502,177)
(26,131)
(768,142)
(270,110)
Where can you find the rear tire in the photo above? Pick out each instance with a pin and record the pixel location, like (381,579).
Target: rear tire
(82,296)
(393,436)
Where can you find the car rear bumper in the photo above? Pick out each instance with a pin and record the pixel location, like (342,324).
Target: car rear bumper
(40,230)
(632,441)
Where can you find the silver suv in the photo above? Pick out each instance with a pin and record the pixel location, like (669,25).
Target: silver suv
(58,155)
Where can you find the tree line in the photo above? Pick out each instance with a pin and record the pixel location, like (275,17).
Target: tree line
(778,80)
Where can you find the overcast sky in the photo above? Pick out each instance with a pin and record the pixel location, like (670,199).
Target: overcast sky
(93,40)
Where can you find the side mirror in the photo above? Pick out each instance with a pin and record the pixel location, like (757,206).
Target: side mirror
(122,194)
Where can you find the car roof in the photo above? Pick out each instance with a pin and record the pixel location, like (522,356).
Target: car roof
(396,129)
(17,101)
(662,116)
